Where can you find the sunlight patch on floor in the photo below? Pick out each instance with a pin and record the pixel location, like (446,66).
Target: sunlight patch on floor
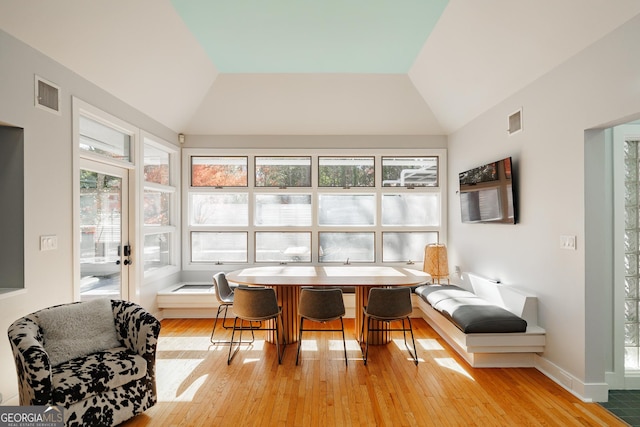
(450,363)
(399,342)
(309,345)
(183,343)
(429,344)
(173,379)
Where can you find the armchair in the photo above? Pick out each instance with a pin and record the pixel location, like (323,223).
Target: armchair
(105,387)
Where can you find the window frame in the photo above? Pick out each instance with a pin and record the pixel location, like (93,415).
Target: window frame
(173,190)
(252,190)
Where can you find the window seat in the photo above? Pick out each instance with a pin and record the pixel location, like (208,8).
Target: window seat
(495,348)
(194,300)
(500,322)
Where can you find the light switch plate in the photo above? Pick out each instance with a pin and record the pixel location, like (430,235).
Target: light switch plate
(568,242)
(48,243)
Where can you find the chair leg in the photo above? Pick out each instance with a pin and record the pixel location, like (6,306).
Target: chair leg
(413,341)
(344,342)
(231,342)
(284,341)
(361,337)
(299,339)
(215,323)
(366,350)
(224,320)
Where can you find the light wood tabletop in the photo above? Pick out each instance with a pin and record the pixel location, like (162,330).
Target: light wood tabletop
(287,281)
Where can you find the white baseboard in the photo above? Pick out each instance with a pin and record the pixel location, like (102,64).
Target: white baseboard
(587,392)
(11,401)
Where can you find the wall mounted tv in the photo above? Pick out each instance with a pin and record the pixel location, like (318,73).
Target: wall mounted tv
(487,194)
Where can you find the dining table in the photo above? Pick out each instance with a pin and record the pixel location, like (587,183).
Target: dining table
(287,280)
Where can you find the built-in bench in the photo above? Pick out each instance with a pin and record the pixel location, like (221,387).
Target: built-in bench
(194,300)
(479,349)
(453,313)
(187,300)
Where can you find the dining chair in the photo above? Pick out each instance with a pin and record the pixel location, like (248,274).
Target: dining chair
(256,305)
(224,296)
(321,305)
(388,305)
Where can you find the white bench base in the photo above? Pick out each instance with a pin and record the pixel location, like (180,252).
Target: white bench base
(500,350)
(488,350)
(203,303)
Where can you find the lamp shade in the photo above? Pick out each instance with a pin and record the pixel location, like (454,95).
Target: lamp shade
(435,261)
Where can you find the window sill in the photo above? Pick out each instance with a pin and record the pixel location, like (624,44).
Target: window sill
(11,292)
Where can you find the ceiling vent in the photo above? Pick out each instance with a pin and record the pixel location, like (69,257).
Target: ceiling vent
(515,122)
(47,95)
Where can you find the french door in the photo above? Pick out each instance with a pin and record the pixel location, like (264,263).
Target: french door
(105,252)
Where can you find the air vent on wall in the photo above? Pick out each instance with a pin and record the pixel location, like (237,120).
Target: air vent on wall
(47,95)
(515,122)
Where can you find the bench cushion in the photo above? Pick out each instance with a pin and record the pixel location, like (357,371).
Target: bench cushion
(470,313)
(433,294)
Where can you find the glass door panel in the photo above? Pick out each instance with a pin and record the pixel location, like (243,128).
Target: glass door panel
(102,217)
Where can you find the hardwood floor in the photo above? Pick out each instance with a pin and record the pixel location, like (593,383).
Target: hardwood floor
(196,387)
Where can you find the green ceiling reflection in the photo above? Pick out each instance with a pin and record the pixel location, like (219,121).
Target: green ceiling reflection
(311,36)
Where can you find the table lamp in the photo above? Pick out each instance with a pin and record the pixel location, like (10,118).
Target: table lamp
(435,261)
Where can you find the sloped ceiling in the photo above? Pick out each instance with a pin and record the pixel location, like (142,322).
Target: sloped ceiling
(328,36)
(332,67)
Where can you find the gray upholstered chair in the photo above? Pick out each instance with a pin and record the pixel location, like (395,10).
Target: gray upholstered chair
(321,305)
(95,359)
(224,296)
(388,305)
(256,305)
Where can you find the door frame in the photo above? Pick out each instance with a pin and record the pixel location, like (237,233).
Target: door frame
(125,212)
(105,164)
(622,378)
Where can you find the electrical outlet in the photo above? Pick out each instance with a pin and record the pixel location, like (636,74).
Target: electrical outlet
(568,242)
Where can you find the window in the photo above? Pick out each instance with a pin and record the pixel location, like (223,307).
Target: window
(286,210)
(406,246)
(219,171)
(218,247)
(346,209)
(126,205)
(347,247)
(223,209)
(346,172)
(262,206)
(283,171)
(283,247)
(421,209)
(160,205)
(103,140)
(409,172)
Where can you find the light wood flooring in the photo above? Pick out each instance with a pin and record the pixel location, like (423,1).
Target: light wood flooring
(196,387)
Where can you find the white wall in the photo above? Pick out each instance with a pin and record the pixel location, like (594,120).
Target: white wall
(48,181)
(598,87)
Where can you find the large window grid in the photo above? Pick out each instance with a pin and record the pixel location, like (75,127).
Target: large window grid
(281,224)
(160,205)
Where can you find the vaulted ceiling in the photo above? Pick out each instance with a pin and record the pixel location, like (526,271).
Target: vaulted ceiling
(331,67)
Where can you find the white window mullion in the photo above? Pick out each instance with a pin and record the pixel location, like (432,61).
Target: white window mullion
(368,226)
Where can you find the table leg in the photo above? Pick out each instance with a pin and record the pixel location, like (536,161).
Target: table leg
(288,297)
(377,337)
